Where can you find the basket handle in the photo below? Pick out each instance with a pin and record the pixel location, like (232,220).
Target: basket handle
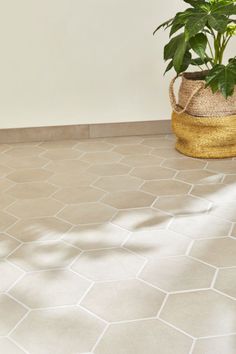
(176,108)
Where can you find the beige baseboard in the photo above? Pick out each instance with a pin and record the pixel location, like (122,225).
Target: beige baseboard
(85,131)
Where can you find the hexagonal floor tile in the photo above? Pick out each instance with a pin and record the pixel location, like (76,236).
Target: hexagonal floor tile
(95,236)
(8,275)
(166,187)
(11,312)
(148,336)
(5,184)
(167,153)
(129,199)
(153,172)
(157,243)
(8,347)
(224,166)
(32,190)
(226,281)
(184,164)
(220,345)
(218,252)
(182,205)
(42,229)
(141,219)
(197,313)
(91,146)
(78,195)
(101,157)
(22,151)
(104,265)
(49,331)
(177,274)
(29,175)
(35,208)
(50,288)
(60,166)
(59,144)
(27,162)
(87,213)
(109,169)
(234,231)
(72,180)
(132,149)
(217,193)
(199,177)
(44,255)
(5,201)
(118,183)
(225,210)
(6,220)
(141,160)
(230,179)
(8,245)
(4,170)
(120,140)
(61,154)
(158,142)
(139,300)
(201,226)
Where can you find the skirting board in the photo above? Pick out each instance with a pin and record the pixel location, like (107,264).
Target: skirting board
(84,131)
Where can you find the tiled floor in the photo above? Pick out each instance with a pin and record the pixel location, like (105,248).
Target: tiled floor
(116,246)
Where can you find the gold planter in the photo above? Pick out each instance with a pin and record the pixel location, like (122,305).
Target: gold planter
(205,137)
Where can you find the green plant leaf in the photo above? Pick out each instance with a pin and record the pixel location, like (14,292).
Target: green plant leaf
(165,24)
(195,3)
(169,67)
(223,78)
(199,43)
(186,62)
(171,47)
(196,24)
(179,56)
(199,61)
(218,22)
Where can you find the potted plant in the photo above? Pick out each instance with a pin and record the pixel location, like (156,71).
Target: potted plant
(204,119)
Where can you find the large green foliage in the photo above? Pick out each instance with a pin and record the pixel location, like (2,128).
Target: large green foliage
(199,36)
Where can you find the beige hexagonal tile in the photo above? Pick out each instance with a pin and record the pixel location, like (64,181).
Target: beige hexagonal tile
(201,226)
(140,300)
(101,157)
(4,170)
(29,175)
(217,193)
(8,275)
(60,144)
(95,236)
(112,264)
(166,187)
(8,347)
(4,147)
(130,149)
(234,231)
(60,166)
(153,172)
(159,142)
(24,151)
(141,160)
(129,199)
(27,162)
(61,154)
(229,179)
(91,146)
(39,229)
(8,245)
(218,345)
(224,166)
(138,337)
(167,153)
(197,313)
(141,219)
(124,140)
(43,255)
(118,183)
(199,177)
(5,185)
(11,312)
(49,331)
(109,169)
(5,201)
(184,164)
(157,243)
(226,281)
(50,289)
(72,180)
(78,195)
(218,252)
(87,213)
(181,205)
(6,220)
(35,208)
(177,274)
(225,210)
(32,190)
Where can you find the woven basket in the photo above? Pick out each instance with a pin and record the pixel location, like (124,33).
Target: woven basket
(205,137)
(199,101)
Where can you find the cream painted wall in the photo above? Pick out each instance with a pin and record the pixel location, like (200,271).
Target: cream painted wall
(82,61)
